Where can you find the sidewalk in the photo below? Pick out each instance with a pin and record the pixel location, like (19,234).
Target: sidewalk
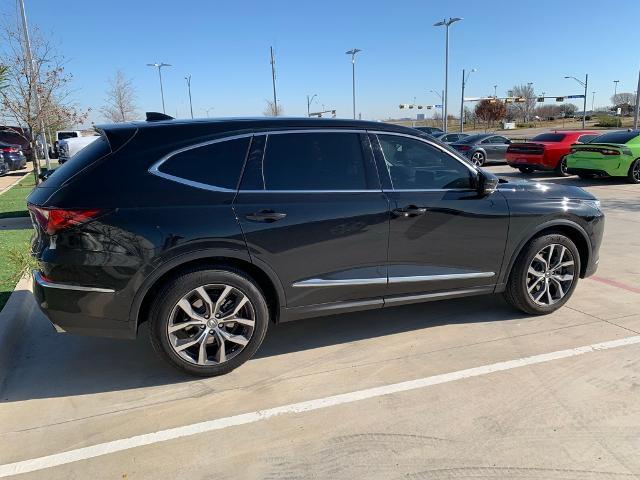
(10,179)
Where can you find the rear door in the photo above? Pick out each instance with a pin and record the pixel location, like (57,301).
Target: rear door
(312,210)
(499,147)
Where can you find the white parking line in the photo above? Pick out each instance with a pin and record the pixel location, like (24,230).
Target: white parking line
(106,448)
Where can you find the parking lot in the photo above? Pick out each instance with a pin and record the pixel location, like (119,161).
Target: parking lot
(569,415)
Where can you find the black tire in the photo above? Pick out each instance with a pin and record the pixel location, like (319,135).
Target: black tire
(586,176)
(174,290)
(478,158)
(516,291)
(634,172)
(561,168)
(526,170)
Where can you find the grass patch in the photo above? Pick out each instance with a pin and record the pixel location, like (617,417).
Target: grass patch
(15,260)
(13,202)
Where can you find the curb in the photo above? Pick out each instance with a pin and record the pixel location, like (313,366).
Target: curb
(16,315)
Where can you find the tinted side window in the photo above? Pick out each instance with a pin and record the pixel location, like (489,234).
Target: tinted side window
(586,138)
(415,165)
(499,140)
(85,157)
(217,164)
(314,161)
(488,140)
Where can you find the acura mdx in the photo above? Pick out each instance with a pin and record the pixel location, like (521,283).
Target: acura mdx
(210,230)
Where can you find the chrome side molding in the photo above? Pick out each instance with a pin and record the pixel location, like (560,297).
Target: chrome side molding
(321,282)
(37,276)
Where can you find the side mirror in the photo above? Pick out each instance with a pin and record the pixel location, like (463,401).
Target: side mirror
(487,183)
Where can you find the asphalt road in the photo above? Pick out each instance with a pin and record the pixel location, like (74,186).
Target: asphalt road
(78,407)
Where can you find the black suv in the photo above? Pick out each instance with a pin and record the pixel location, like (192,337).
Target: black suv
(210,230)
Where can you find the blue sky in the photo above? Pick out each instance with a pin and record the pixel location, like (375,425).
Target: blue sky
(224,45)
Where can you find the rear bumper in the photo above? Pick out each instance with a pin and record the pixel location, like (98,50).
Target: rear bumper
(587,171)
(77,309)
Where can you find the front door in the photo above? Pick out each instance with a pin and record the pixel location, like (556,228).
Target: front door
(443,236)
(311,208)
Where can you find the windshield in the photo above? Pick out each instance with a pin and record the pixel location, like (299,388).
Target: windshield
(549,137)
(616,137)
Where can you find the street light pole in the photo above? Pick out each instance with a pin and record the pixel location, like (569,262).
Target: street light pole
(464,82)
(593,100)
(495,91)
(615,89)
(159,67)
(353,53)
(446,23)
(188,79)
(309,101)
(585,84)
(273,80)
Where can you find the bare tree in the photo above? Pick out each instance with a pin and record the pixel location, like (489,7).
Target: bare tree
(120,103)
(524,109)
(624,101)
(272,110)
(46,78)
(490,111)
(3,76)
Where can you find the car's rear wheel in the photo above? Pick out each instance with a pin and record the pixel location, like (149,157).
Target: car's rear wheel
(208,322)
(478,159)
(634,172)
(561,169)
(525,169)
(544,275)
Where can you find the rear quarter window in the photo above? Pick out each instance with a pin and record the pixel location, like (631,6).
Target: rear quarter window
(85,157)
(212,165)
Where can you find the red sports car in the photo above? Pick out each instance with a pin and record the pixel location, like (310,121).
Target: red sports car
(546,151)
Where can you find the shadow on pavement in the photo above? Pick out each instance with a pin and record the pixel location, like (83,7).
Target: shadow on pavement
(57,365)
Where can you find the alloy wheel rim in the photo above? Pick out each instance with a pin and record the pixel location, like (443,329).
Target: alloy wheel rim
(477,159)
(211,324)
(563,166)
(550,275)
(636,172)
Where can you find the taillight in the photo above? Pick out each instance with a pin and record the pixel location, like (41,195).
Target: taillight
(52,220)
(609,151)
(463,148)
(10,150)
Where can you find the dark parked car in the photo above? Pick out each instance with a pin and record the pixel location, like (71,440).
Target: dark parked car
(16,136)
(483,148)
(13,156)
(221,227)
(4,168)
(429,130)
(449,137)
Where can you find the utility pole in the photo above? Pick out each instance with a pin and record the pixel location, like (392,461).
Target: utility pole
(593,100)
(159,67)
(309,101)
(464,82)
(637,111)
(273,79)
(33,86)
(188,79)
(495,91)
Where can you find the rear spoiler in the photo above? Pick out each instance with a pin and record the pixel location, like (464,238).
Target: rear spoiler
(117,137)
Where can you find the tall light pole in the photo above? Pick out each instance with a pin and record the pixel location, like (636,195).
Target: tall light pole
(585,84)
(273,80)
(593,100)
(465,78)
(615,89)
(209,109)
(495,91)
(353,53)
(159,67)
(309,101)
(33,86)
(446,23)
(188,79)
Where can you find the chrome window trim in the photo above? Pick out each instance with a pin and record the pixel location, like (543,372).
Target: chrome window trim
(377,190)
(63,286)
(321,282)
(154,169)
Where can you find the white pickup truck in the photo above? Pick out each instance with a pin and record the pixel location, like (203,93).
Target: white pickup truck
(67,148)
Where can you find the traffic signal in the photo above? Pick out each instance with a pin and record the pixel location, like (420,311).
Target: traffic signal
(559,99)
(520,100)
(540,99)
(508,100)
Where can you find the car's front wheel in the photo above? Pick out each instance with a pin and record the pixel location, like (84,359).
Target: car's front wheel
(544,275)
(478,159)
(634,172)
(208,322)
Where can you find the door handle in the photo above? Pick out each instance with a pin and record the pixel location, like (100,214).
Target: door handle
(409,211)
(267,215)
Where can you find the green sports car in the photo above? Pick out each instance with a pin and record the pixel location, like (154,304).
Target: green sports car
(614,154)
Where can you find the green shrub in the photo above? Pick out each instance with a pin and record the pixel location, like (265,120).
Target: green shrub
(606,121)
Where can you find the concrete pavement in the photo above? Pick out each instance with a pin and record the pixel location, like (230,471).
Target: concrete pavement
(570,418)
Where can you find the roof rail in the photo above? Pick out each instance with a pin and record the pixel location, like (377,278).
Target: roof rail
(157,116)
